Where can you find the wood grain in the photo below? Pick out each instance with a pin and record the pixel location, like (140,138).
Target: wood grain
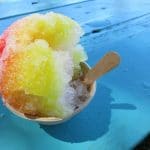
(107,63)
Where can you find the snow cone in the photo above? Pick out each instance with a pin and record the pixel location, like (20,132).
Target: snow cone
(40,58)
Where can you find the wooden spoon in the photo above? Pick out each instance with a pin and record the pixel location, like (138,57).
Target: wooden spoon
(107,63)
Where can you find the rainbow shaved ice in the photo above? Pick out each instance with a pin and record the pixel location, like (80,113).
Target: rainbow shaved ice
(39,57)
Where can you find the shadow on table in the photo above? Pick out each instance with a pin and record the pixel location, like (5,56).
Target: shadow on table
(91,123)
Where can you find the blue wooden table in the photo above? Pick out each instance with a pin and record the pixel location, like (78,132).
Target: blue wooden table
(118,116)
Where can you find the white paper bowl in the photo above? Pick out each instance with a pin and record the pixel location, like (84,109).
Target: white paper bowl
(54,120)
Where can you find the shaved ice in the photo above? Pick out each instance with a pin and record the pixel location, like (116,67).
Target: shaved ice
(39,60)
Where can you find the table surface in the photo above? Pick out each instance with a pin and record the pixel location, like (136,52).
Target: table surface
(118,116)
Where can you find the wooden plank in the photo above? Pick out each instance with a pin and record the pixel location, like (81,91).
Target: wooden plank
(10,9)
(129,84)
(105,14)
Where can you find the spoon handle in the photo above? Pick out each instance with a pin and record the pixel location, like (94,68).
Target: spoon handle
(107,63)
